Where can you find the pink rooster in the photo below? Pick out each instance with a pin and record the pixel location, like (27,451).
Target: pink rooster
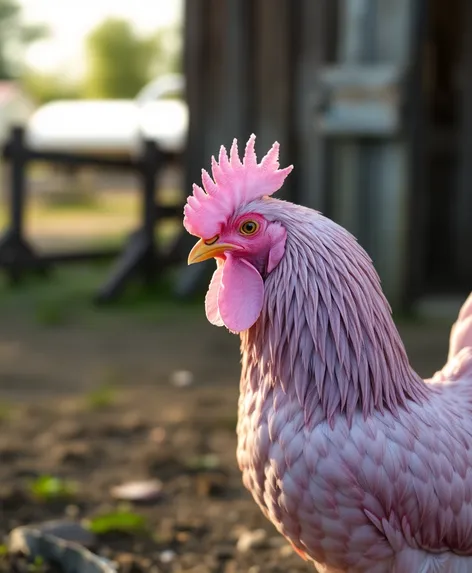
(361,464)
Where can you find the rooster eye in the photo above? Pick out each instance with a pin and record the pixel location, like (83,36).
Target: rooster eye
(249,227)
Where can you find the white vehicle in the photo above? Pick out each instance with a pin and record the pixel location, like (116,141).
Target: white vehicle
(114,126)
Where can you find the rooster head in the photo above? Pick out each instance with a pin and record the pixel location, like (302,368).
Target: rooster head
(227,214)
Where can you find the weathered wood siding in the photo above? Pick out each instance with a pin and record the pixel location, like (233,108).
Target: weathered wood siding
(272,67)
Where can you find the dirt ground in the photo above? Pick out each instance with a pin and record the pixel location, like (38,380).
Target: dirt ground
(105,403)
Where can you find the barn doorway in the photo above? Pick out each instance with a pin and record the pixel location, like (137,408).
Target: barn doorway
(446,64)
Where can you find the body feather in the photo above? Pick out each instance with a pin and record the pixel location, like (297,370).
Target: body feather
(361,464)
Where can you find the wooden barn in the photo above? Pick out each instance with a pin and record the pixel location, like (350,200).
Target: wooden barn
(372,102)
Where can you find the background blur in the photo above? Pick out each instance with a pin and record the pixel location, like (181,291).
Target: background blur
(372,102)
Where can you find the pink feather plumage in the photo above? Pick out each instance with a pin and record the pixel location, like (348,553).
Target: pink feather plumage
(362,465)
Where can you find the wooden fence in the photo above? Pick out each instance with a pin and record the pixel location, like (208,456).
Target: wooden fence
(140,256)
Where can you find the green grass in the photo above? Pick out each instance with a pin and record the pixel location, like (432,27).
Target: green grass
(121,521)
(5,411)
(51,488)
(204,462)
(52,206)
(100,398)
(66,297)
(38,565)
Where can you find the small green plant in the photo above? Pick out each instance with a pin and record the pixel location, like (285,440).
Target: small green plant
(50,488)
(38,565)
(100,398)
(50,313)
(5,412)
(121,521)
(205,462)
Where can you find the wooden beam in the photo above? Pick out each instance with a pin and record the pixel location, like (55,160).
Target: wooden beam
(237,69)
(309,147)
(274,77)
(463,204)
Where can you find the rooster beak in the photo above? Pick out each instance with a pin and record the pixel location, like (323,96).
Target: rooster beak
(203,251)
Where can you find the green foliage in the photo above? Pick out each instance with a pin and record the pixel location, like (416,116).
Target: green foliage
(38,565)
(100,398)
(168,52)
(121,521)
(121,62)
(44,88)
(5,411)
(50,488)
(203,463)
(50,312)
(15,35)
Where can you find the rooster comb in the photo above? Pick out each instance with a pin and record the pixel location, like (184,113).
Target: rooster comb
(234,183)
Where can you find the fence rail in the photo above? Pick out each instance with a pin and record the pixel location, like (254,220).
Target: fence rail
(140,255)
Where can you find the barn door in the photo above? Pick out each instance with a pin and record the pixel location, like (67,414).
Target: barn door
(370,131)
(462,215)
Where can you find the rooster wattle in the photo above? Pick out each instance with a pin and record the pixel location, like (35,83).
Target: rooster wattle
(361,464)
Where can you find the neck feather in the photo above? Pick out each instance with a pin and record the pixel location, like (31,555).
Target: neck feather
(326,334)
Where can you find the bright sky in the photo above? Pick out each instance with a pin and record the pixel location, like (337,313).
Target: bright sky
(70,21)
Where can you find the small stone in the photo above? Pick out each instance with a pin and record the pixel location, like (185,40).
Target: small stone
(189,560)
(286,551)
(157,435)
(249,540)
(9,452)
(133,422)
(182,536)
(277,542)
(224,552)
(127,563)
(69,531)
(12,497)
(73,452)
(72,511)
(167,556)
(69,430)
(211,484)
(148,490)
(181,378)
(230,567)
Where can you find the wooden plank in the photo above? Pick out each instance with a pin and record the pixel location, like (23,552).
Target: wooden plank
(273,78)
(370,181)
(311,47)
(195,48)
(237,69)
(210,41)
(392,34)
(362,100)
(416,137)
(345,163)
(463,205)
(386,191)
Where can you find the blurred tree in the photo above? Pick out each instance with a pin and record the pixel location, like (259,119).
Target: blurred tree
(120,62)
(168,51)
(14,36)
(44,88)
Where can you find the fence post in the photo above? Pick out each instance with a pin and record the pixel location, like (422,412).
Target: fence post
(151,165)
(139,256)
(18,161)
(15,252)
